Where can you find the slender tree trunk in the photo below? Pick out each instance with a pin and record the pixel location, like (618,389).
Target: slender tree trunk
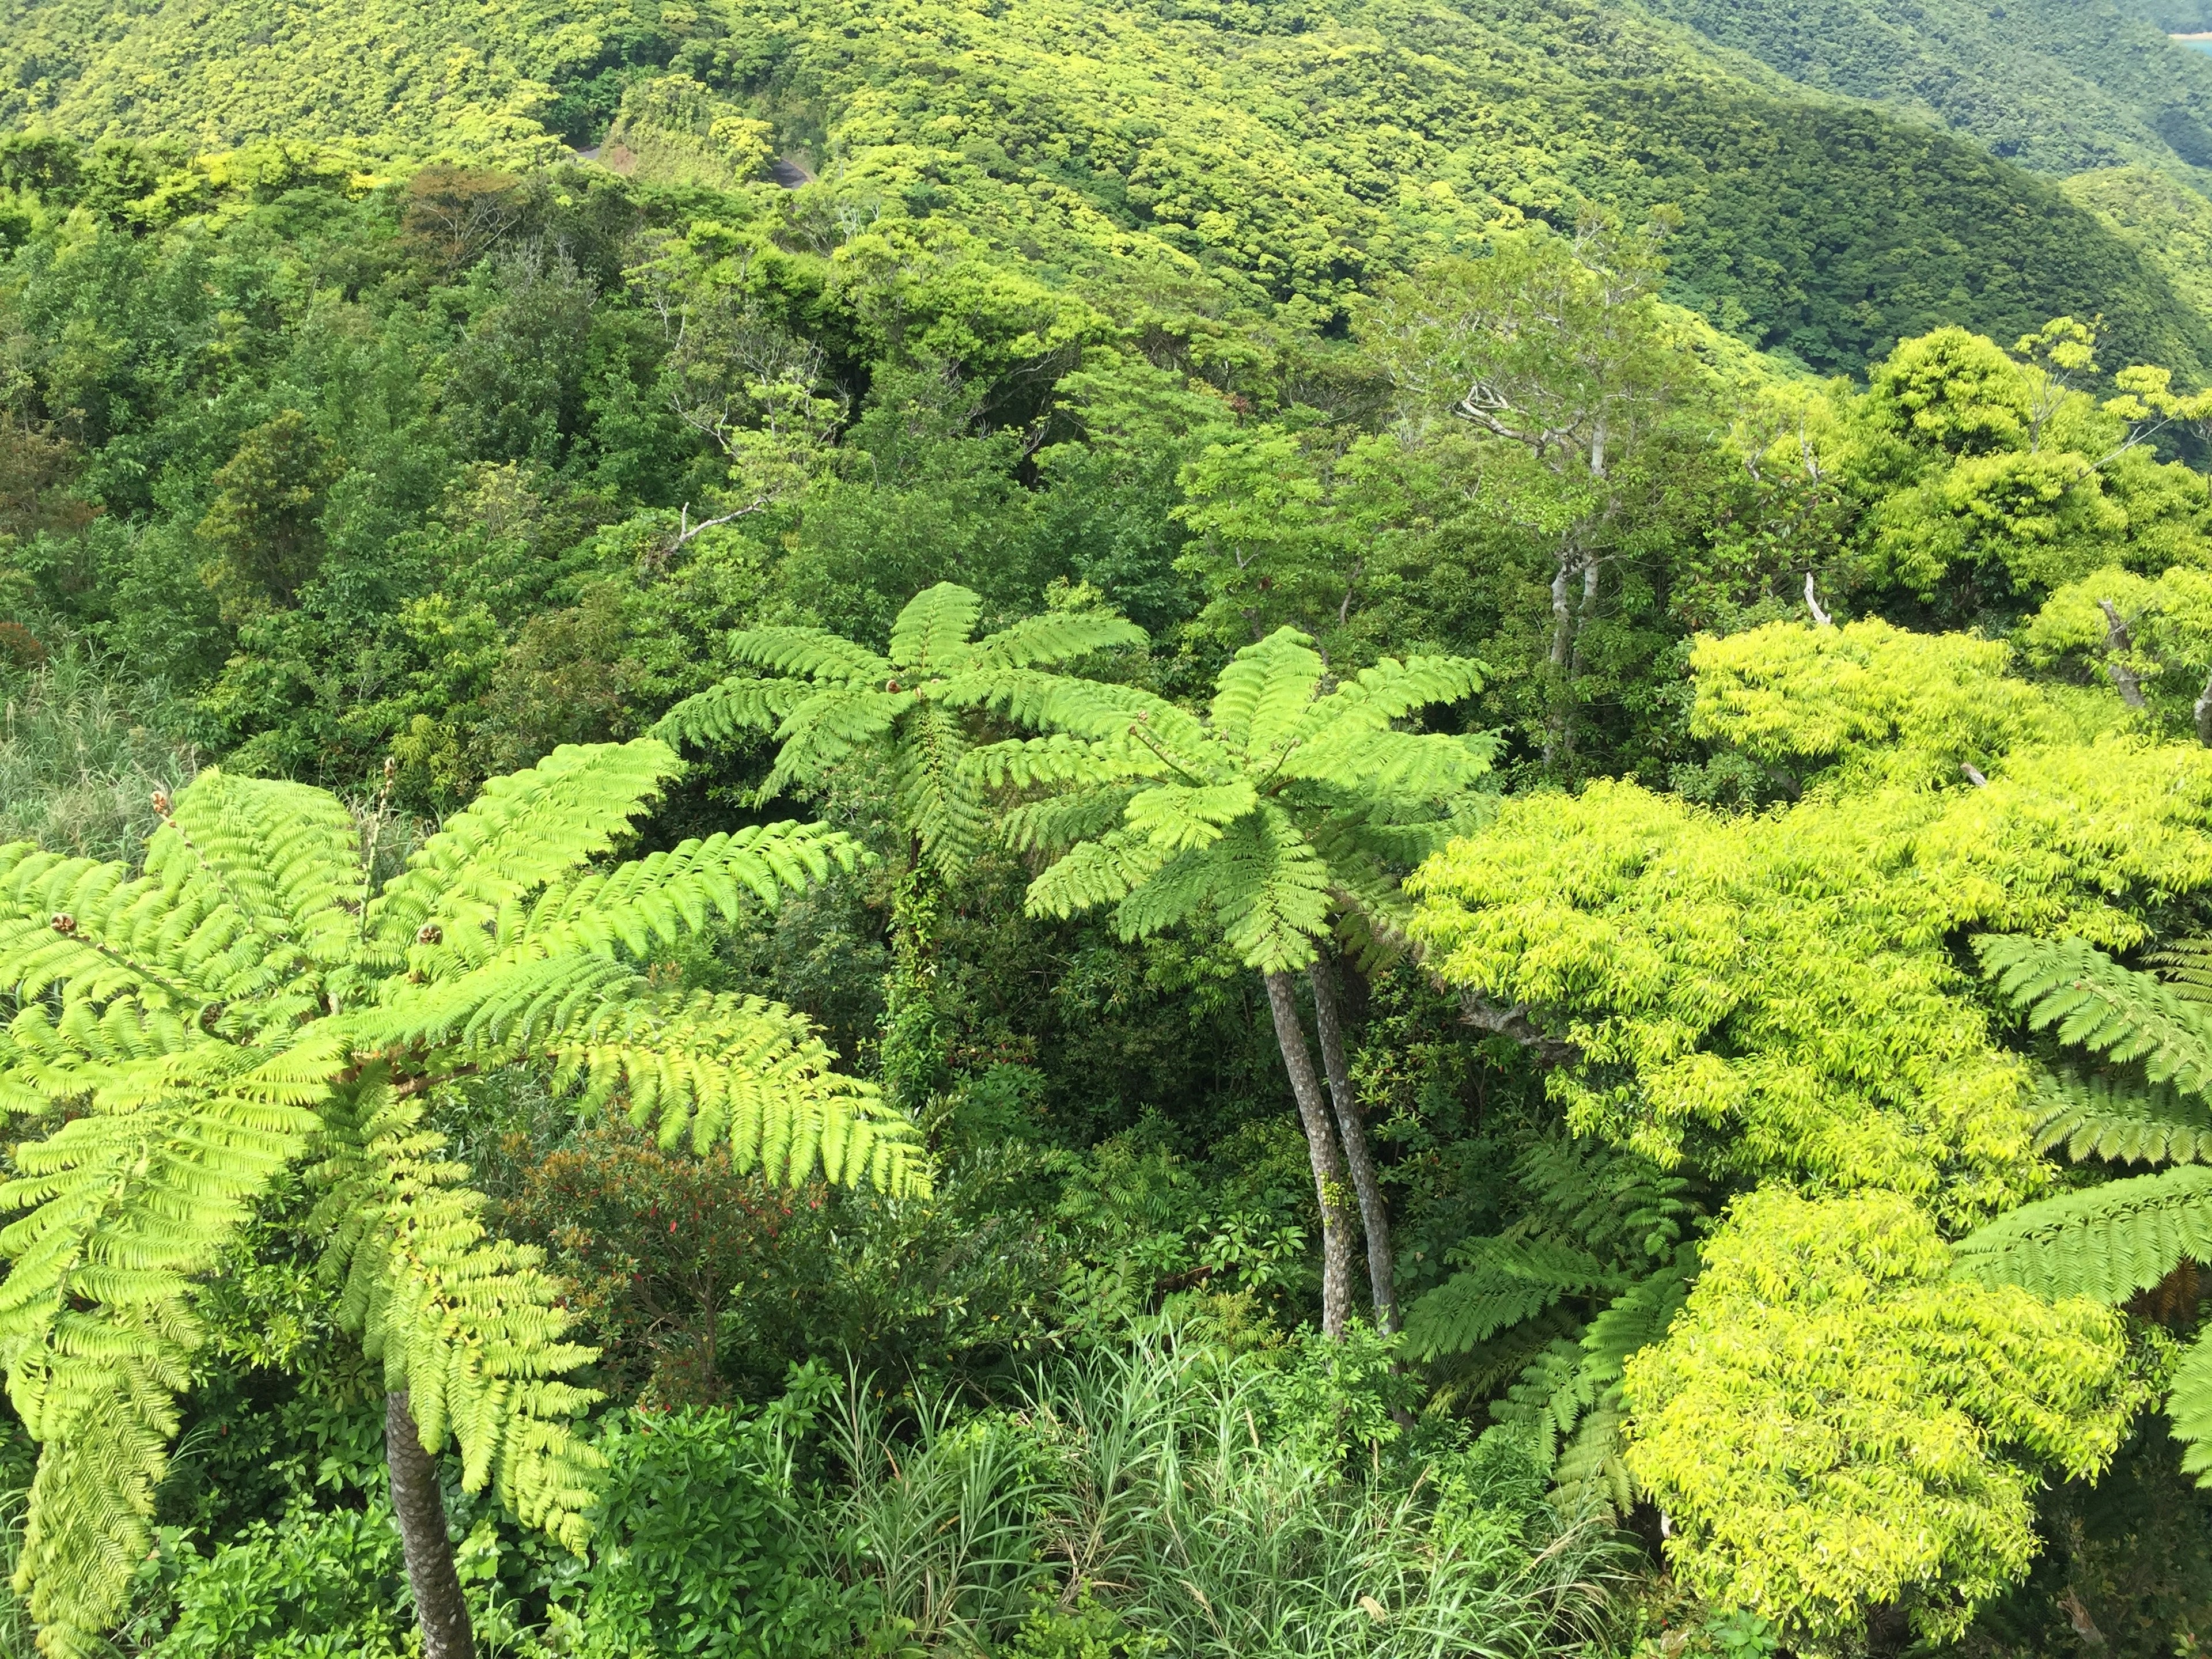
(2119,639)
(1321,1148)
(1374,1214)
(2205,714)
(420,1507)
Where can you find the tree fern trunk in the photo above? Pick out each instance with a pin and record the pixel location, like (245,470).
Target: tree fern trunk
(1374,1214)
(440,1611)
(1321,1148)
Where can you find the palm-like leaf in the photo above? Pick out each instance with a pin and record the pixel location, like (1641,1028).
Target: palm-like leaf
(1284,806)
(911,706)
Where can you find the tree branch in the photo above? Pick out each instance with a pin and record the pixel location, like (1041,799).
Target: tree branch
(1484,1015)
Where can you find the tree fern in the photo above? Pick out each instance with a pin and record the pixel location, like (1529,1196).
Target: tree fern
(911,704)
(1292,805)
(186,1029)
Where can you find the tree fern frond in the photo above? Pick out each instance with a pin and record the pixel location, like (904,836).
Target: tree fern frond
(1060,761)
(1178,818)
(2106,1242)
(96,1327)
(1505,1281)
(658,899)
(2189,1406)
(1390,690)
(1571,1393)
(813,652)
(1055,637)
(826,727)
(521,831)
(1093,873)
(1272,892)
(2122,1121)
(1059,821)
(1265,691)
(745,1072)
(1101,712)
(720,712)
(2188,964)
(470,1326)
(947,816)
(1394,766)
(288,854)
(930,635)
(2095,1003)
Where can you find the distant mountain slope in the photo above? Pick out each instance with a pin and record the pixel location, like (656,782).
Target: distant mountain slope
(1225,155)
(2059,85)
(390,76)
(1293,152)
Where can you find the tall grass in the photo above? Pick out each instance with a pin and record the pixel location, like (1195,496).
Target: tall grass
(1149,1480)
(80,758)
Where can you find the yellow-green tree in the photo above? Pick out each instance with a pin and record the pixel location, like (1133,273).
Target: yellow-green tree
(1774,1001)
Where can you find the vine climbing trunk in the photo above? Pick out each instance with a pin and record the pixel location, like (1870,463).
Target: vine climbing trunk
(420,1506)
(1322,1149)
(1360,1159)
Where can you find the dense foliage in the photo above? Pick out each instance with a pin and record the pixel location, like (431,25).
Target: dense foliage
(1073,830)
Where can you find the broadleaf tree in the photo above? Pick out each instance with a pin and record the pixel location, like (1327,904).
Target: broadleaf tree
(249,998)
(1286,809)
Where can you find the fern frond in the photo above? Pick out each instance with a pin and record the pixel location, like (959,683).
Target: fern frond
(1572,1394)
(930,636)
(2188,964)
(813,652)
(2106,1242)
(521,831)
(1060,761)
(947,816)
(744,1073)
(2189,1407)
(289,855)
(1098,713)
(1264,694)
(124,1206)
(1092,873)
(1056,637)
(1180,818)
(720,712)
(827,726)
(470,1326)
(655,900)
(2122,1121)
(1506,1280)
(2098,1005)
(1272,890)
(1387,766)
(1392,690)
(1059,821)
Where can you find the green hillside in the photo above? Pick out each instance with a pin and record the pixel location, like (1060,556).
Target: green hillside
(2057,86)
(390,77)
(1267,154)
